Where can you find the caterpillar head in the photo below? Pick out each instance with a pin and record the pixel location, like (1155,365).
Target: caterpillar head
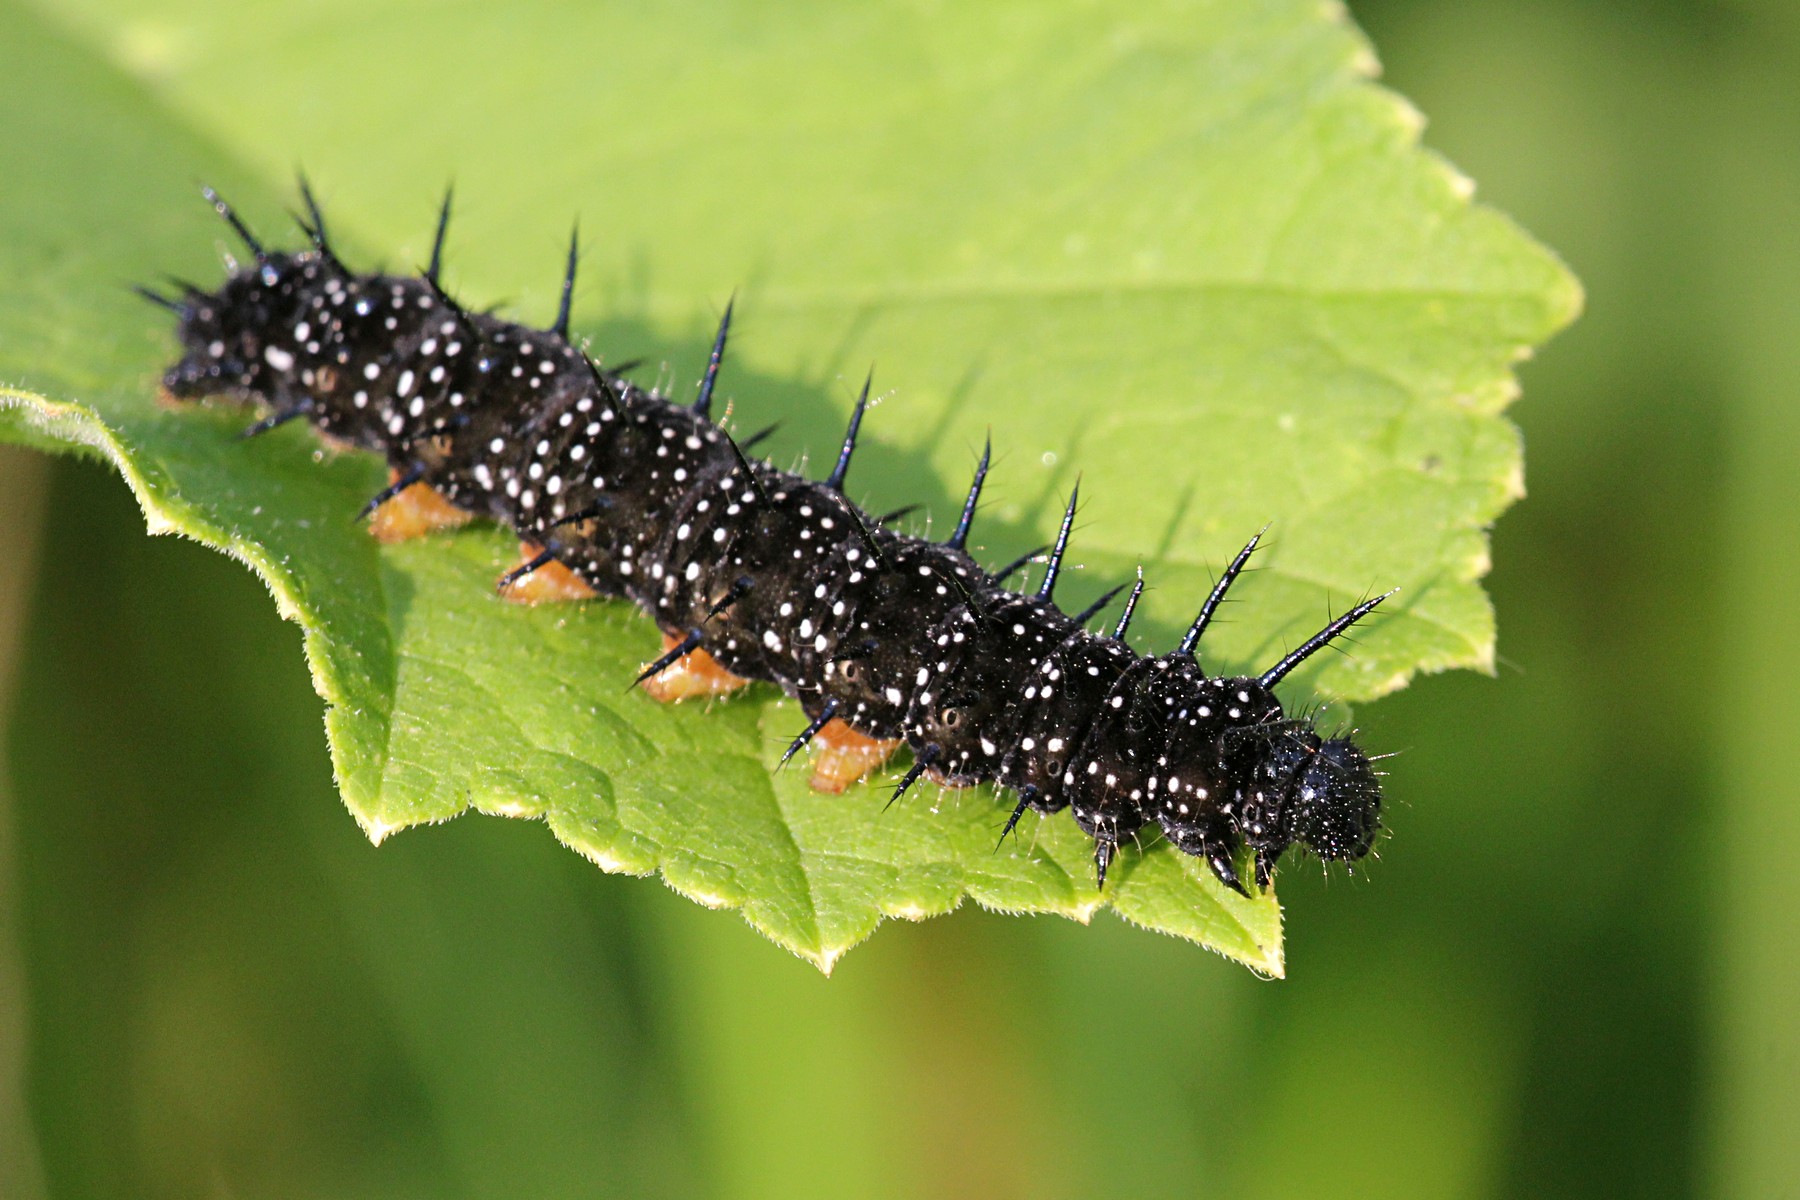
(1317,792)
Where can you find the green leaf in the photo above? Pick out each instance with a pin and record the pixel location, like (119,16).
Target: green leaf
(1190,251)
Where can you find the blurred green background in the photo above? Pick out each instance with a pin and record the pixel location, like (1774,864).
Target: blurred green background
(1575,971)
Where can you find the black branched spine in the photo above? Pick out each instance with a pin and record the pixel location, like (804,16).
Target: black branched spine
(777,577)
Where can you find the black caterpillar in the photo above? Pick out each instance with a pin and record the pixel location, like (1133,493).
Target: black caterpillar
(776,577)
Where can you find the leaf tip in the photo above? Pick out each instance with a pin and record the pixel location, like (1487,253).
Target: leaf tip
(377,830)
(607,861)
(1272,964)
(1567,297)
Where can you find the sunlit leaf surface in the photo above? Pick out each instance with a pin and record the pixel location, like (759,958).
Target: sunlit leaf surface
(1198,257)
